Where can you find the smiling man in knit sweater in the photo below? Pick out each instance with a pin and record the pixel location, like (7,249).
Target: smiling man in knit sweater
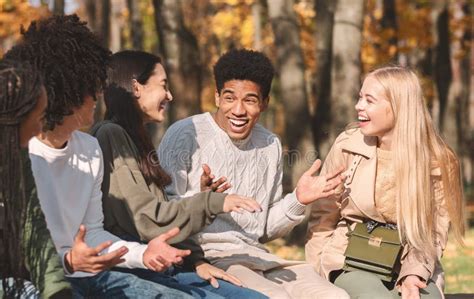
(236,147)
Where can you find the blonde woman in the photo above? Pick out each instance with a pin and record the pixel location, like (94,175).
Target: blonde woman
(398,169)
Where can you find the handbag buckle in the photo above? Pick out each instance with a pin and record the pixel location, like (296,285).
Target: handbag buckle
(375,241)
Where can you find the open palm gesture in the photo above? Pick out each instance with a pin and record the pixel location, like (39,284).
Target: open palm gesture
(311,188)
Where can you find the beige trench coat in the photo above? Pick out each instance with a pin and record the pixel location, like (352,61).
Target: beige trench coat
(326,238)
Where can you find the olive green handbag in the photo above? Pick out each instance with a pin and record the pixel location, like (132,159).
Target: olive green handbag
(374,247)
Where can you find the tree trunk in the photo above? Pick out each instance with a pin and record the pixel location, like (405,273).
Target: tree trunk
(181,53)
(257,24)
(292,89)
(465,102)
(389,21)
(322,83)
(58,8)
(346,63)
(467,118)
(98,19)
(136,24)
(458,116)
(442,64)
(116,25)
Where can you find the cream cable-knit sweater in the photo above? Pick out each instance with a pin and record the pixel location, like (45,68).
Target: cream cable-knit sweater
(252,166)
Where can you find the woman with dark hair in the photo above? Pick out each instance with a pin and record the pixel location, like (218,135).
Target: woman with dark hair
(135,205)
(22,103)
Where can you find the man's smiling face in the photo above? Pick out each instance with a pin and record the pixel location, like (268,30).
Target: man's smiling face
(240,103)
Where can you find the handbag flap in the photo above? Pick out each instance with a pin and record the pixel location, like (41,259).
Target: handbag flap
(380,248)
(387,235)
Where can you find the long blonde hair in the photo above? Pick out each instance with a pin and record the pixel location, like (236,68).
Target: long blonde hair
(418,149)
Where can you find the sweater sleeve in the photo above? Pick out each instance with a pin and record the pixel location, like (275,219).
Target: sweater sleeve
(95,234)
(175,155)
(151,214)
(284,212)
(41,258)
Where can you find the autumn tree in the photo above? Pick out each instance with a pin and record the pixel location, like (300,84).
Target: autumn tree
(98,18)
(459,119)
(291,86)
(182,60)
(346,63)
(441,59)
(322,78)
(136,24)
(13,15)
(58,7)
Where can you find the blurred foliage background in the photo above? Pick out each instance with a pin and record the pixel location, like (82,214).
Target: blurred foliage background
(321,50)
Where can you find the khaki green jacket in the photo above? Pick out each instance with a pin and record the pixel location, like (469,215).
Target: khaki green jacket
(134,208)
(41,258)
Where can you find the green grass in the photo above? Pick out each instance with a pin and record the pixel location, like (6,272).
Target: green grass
(458,262)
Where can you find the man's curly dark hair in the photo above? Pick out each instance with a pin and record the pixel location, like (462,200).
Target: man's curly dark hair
(243,64)
(70,58)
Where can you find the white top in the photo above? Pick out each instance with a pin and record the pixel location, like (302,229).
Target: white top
(252,166)
(68,181)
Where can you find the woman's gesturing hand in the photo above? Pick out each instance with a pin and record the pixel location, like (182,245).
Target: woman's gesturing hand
(159,255)
(237,203)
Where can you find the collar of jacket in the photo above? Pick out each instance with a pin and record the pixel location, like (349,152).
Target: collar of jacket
(357,143)
(366,146)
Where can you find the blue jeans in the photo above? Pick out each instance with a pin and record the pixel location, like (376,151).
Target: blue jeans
(192,284)
(115,284)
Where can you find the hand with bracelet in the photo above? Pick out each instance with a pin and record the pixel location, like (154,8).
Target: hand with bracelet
(157,257)
(81,257)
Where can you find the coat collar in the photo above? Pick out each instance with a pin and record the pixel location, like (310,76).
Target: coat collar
(357,143)
(366,146)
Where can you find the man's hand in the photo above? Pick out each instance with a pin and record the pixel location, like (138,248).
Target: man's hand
(208,183)
(237,203)
(210,273)
(311,188)
(81,257)
(159,255)
(411,286)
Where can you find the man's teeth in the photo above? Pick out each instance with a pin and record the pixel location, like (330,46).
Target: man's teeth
(238,123)
(362,118)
